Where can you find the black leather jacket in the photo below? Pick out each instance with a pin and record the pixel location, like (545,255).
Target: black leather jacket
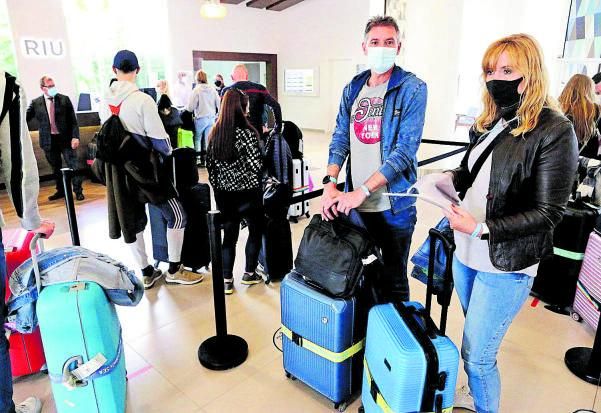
(530,182)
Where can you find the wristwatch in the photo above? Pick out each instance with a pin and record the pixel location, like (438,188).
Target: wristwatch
(328,178)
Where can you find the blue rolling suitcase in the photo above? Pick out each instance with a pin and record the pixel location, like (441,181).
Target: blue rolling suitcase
(410,365)
(322,339)
(79,325)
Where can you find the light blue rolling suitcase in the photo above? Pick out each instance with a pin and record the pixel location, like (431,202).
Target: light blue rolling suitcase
(82,340)
(410,365)
(322,339)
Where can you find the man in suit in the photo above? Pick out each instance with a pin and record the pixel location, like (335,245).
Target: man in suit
(59,133)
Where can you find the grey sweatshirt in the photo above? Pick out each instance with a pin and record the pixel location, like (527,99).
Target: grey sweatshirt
(204,101)
(18,166)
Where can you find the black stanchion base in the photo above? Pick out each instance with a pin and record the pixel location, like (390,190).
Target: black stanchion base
(558,309)
(577,360)
(223,352)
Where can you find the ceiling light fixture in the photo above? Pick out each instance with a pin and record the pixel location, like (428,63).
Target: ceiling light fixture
(213,9)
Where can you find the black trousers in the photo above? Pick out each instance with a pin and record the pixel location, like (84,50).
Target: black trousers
(234,207)
(61,146)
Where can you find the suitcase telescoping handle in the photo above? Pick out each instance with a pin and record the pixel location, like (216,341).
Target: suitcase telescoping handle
(33,248)
(445,297)
(68,174)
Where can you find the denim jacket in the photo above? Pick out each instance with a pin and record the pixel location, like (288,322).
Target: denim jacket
(63,265)
(402,125)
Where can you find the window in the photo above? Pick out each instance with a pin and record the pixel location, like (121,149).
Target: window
(98,29)
(8,61)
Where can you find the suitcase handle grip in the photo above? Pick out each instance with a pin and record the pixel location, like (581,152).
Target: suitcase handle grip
(68,378)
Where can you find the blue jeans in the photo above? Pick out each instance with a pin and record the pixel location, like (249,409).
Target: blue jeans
(202,128)
(490,302)
(6,380)
(392,233)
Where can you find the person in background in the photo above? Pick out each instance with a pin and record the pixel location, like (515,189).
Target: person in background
(597,81)
(126,210)
(59,134)
(235,163)
(204,103)
(577,101)
(20,173)
(219,83)
(258,96)
(169,114)
(380,149)
(510,208)
(182,90)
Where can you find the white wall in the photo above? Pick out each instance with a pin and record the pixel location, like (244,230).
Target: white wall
(432,53)
(485,21)
(34,65)
(244,30)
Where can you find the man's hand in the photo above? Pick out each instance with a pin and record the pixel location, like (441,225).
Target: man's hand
(74,143)
(328,201)
(461,220)
(350,200)
(46,228)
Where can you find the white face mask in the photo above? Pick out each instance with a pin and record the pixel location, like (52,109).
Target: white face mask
(381,59)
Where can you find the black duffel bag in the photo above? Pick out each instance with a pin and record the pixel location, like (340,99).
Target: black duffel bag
(333,255)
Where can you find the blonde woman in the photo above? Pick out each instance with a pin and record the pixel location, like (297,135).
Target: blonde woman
(204,103)
(578,103)
(505,223)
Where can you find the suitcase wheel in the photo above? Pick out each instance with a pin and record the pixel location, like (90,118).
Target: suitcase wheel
(294,220)
(267,281)
(576,317)
(361,409)
(307,214)
(290,376)
(340,406)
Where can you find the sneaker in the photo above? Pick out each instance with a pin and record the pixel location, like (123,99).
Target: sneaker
(55,196)
(228,286)
(251,279)
(29,405)
(261,271)
(183,276)
(464,399)
(151,279)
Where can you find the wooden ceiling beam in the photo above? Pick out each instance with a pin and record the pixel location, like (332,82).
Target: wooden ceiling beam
(283,5)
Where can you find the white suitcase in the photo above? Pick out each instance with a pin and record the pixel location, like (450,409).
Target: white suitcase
(300,185)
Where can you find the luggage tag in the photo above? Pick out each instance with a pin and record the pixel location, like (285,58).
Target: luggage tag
(87,369)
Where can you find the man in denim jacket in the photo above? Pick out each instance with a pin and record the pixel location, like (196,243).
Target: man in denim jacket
(378,131)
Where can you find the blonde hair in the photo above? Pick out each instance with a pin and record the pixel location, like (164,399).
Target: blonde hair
(201,76)
(525,55)
(577,100)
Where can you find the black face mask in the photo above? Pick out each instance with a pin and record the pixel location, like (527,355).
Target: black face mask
(504,92)
(218,83)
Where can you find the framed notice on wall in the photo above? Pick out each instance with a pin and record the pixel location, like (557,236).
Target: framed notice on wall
(301,82)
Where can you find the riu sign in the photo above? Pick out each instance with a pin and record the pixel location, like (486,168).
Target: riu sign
(43,48)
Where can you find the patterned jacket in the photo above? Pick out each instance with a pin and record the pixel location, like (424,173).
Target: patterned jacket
(243,172)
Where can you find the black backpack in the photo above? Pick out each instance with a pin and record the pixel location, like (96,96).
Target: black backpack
(110,138)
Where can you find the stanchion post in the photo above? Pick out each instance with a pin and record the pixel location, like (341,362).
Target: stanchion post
(222,351)
(585,362)
(70,204)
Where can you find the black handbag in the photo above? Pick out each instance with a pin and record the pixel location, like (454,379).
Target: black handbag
(333,255)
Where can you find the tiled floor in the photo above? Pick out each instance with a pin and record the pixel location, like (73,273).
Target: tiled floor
(163,333)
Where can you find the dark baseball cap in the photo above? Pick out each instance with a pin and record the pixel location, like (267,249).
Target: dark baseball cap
(126,61)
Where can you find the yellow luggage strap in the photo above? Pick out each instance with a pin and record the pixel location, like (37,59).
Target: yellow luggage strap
(323,352)
(377,396)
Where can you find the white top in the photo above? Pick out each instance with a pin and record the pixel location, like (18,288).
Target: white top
(474,252)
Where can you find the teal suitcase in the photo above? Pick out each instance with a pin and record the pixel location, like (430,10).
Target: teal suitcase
(79,324)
